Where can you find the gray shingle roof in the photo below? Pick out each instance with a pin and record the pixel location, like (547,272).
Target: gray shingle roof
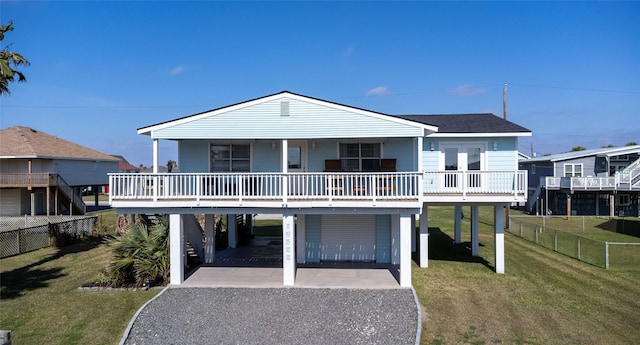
(468,123)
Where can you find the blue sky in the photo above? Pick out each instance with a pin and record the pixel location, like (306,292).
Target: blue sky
(100,70)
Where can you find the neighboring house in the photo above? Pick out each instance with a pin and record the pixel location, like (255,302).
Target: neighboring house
(41,174)
(124,166)
(161,169)
(348,182)
(598,182)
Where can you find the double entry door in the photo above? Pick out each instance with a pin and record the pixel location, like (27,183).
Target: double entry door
(462,165)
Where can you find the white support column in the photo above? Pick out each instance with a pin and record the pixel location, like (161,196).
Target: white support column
(176,249)
(155,155)
(405,250)
(413,233)
(457,225)
(288,250)
(475,231)
(232,230)
(395,239)
(419,154)
(424,237)
(209,239)
(612,206)
(285,167)
(498,219)
(301,250)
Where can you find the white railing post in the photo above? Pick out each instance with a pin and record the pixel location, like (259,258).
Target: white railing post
(606,255)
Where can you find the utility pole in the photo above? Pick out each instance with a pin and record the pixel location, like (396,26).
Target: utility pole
(504,115)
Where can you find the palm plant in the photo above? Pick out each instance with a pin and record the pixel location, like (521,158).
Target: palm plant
(8,60)
(142,255)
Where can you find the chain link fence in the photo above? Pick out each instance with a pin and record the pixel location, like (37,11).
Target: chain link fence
(24,234)
(625,255)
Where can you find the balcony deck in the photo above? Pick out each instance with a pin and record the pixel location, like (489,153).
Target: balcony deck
(627,181)
(310,190)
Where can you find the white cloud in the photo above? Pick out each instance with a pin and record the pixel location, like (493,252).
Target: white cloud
(177,70)
(378,91)
(350,49)
(467,90)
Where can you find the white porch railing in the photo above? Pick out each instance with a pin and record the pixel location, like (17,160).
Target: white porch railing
(313,186)
(629,178)
(265,186)
(593,183)
(621,181)
(475,182)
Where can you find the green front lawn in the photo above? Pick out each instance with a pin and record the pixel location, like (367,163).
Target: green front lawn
(40,302)
(543,298)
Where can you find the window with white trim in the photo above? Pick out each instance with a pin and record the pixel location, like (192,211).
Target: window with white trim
(573,170)
(231,158)
(360,157)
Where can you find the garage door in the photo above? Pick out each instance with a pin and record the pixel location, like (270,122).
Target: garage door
(348,238)
(9,202)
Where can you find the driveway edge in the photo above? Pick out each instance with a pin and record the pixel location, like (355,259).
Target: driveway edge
(419,308)
(135,316)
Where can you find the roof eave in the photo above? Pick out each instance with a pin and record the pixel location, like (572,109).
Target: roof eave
(477,135)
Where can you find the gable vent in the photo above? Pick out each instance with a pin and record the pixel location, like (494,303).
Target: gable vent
(284,108)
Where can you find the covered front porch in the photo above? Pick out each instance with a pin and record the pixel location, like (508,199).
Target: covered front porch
(374,240)
(259,264)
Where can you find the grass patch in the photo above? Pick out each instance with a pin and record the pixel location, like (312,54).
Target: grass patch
(40,302)
(544,297)
(90,199)
(597,228)
(267,227)
(106,222)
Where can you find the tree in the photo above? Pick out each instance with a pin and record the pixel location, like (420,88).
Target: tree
(631,143)
(171,164)
(9,60)
(578,148)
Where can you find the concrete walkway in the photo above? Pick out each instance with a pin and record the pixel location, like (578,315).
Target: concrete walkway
(261,277)
(259,264)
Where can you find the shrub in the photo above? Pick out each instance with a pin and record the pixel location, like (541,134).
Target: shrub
(141,256)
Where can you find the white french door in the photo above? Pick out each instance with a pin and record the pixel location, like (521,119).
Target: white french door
(459,161)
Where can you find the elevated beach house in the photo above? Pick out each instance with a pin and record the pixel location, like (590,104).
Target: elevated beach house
(596,182)
(348,182)
(41,174)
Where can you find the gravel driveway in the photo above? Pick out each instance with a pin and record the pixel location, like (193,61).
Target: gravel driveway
(277,316)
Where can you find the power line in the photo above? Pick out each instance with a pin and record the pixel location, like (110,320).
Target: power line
(574,88)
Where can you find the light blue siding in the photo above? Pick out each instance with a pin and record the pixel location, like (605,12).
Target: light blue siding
(312,238)
(383,239)
(504,157)
(194,156)
(403,150)
(305,120)
(265,159)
